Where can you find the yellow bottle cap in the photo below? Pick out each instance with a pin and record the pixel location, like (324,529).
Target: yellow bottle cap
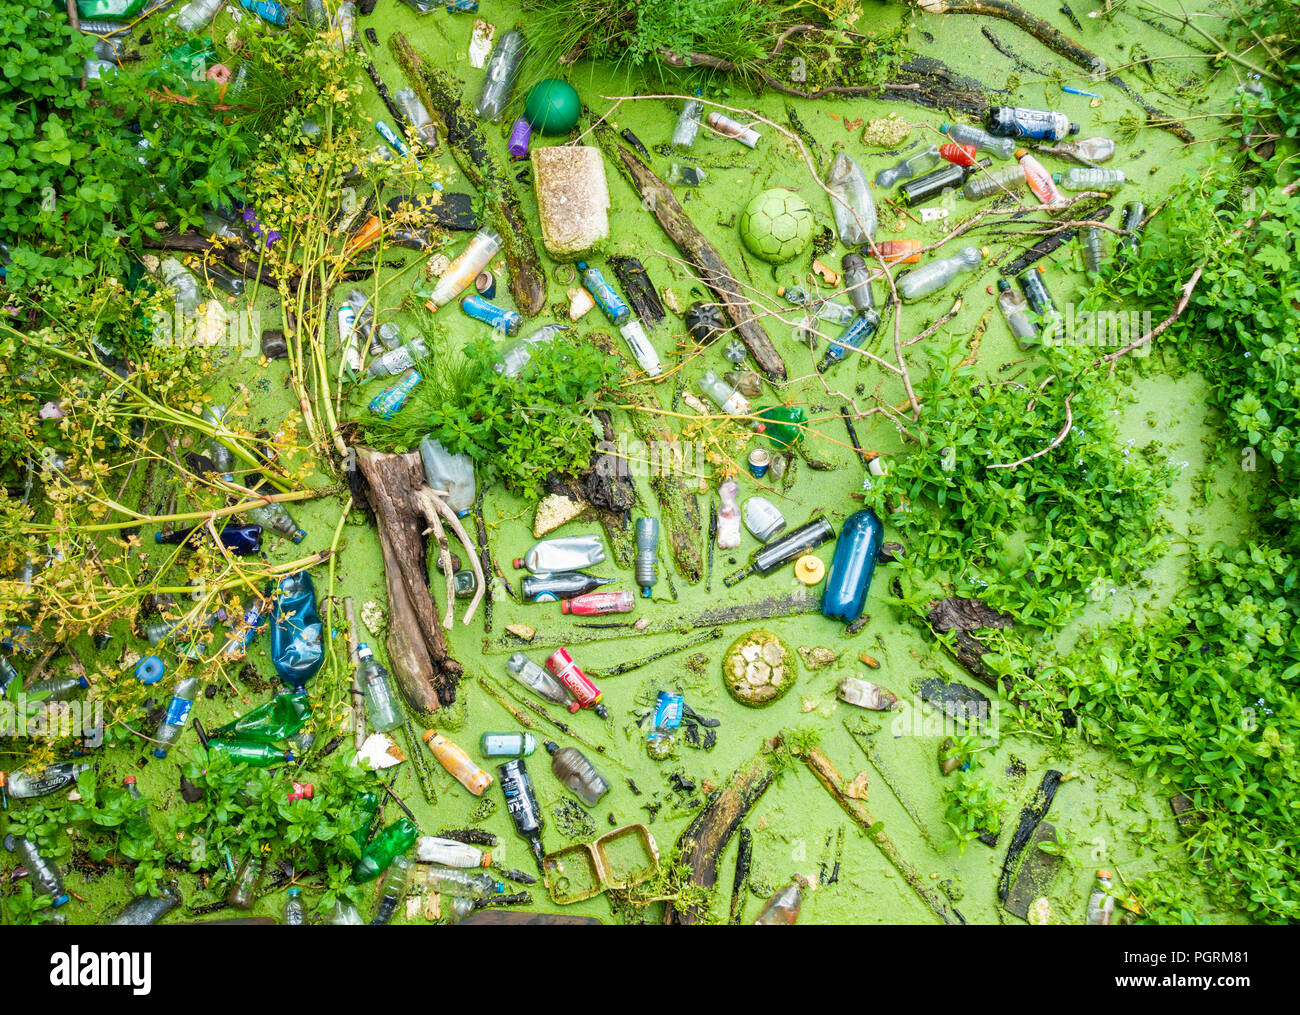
(1020,152)
(809,569)
(984,251)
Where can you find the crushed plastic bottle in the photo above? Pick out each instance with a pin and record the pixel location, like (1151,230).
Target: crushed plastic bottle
(565,553)
(516,355)
(573,769)
(42,874)
(196,14)
(725,397)
(499,76)
(855,211)
(959,154)
(452,474)
(396,883)
(399,360)
(460,883)
(1090,240)
(276,517)
(981,139)
(1086,151)
(938,273)
(729,515)
(450,852)
(146,910)
(384,849)
(297,635)
(184,286)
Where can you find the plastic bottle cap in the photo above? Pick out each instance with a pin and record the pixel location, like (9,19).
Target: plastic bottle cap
(129,780)
(551,746)
(1019,152)
(582,265)
(60,901)
(518,563)
(83,683)
(1104,873)
(564,606)
(1057,177)
(300,535)
(1003,285)
(1074,128)
(984,251)
(429,735)
(294,892)
(809,569)
(943,128)
(1040,269)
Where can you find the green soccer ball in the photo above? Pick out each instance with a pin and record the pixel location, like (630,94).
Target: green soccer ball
(552,107)
(776,225)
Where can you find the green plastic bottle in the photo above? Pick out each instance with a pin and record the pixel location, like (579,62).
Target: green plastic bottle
(369,804)
(784,424)
(250,752)
(278,719)
(386,847)
(109,10)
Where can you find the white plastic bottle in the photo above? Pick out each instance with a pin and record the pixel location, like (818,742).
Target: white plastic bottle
(729,515)
(566,553)
(450,853)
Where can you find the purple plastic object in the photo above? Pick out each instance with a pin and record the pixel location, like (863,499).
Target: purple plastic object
(520,134)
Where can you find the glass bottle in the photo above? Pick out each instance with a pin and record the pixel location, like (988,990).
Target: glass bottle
(248,880)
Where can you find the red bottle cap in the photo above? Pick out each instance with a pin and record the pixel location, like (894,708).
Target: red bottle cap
(518,563)
(564,606)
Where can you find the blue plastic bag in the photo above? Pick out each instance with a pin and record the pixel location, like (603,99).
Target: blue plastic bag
(297,637)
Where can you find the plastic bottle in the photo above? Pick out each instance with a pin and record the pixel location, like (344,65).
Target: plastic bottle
(729,515)
(40,872)
(456,761)
(1087,151)
(297,634)
(461,883)
(906,169)
(962,133)
(573,769)
(603,293)
(863,327)
(275,516)
(381,705)
(938,273)
(536,679)
(1035,290)
(315,14)
(782,909)
(1000,181)
(183,285)
(959,154)
(644,353)
(561,585)
(499,77)
(346,22)
(584,692)
(462,271)
(146,910)
(505,745)
(1090,240)
(452,474)
(398,360)
(1038,124)
(295,913)
(564,553)
(383,849)
(647,554)
(852,567)
(449,852)
(1080,178)
(521,802)
(418,117)
(394,890)
(390,401)
(344,914)
(864,694)
(269,11)
(855,211)
(725,397)
(178,711)
(8,674)
(937,182)
(1039,179)
(1134,213)
(249,752)
(196,14)
(515,356)
(58,688)
(762,518)
(822,310)
(241,540)
(389,335)
(242,893)
(728,127)
(1013,307)
(499,318)
(688,122)
(1101,904)
(593,604)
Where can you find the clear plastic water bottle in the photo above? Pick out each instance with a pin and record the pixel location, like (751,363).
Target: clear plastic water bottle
(515,356)
(178,711)
(196,14)
(912,166)
(647,554)
(346,22)
(58,688)
(855,212)
(413,109)
(381,705)
(295,913)
(724,396)
(1087,151)
(1000,181)
(1016,311)
(395,884)
(398,360)
(934,276)
(43,874)
(963,133)
(499,76)
(275,516)
(573,769)
(537,679)
(1081,178)
(453,474)
(1091,242)
(460,883)
(688,123)
(390,401)
(183,285)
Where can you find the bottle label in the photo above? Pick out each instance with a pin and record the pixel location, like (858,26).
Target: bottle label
(178,711)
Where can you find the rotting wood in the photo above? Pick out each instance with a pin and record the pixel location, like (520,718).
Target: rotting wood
(441,96)
(706,837)
(422,661)
(695,247)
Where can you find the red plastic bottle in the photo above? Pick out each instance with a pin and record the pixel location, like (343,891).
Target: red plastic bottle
(959,154)
(585,693)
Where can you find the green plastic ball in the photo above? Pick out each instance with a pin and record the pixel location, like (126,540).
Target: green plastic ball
(552,107)
(776,225)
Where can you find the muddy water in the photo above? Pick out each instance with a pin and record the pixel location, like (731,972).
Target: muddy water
(1106,815)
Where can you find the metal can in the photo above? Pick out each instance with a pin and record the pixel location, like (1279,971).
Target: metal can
(585,693)
(759,460)
(486,284)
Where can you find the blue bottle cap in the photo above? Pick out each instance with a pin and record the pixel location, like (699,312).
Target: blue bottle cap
(83,682)
(60,901)
(160,752)
(300,535)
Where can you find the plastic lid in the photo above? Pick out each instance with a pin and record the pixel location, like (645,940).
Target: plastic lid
(129,781)
(294,892)
(564,606)
(83,682)
(1003,285)
(984,251)
(809,569)
(551,746)
(601,711)
(429,735)
(363,651)
(582,265)
(1040,269)
(943,128)
(60,901)
(299,536)
(517,563)
(1104,873)
(1057,177)
(1019,152)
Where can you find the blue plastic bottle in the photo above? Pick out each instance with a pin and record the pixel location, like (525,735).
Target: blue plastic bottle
(852,567)
(618,312)
(297,646)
